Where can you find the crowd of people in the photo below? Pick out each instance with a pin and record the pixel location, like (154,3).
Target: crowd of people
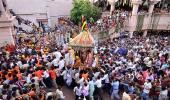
(110,23)
(125,69)
(138,65)
(135,68)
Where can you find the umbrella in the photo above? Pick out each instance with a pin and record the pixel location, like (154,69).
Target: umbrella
(84,39)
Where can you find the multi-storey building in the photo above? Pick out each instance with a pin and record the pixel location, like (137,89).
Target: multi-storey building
(48,11)
(40,11)
(144,15)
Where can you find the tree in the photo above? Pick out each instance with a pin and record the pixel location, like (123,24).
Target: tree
(85,8)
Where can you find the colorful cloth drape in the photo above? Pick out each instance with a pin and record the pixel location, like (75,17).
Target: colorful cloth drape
(84,39)
(84,25)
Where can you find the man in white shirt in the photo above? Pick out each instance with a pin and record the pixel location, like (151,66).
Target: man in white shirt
(49,94)
(64,74)
(107,85)
(55,62)
(46,79)
(78,91)
(115,90)
(98,88)
(57,54)
(98,83)
(96,74)
(37,80)
(61,63)
(85,91)
(19,63)
(91,88)
(69,79)
(146,90)
(60,95)
(163,94)
(76,77)
(67,58)
(28,78)
(81,81)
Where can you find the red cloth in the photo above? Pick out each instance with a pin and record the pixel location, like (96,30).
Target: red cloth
(53,74)
(10,48)
(145,74)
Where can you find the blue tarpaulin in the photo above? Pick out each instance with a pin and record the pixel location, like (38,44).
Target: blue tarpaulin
(122,51)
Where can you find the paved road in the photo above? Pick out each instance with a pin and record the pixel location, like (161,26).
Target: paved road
(70,95)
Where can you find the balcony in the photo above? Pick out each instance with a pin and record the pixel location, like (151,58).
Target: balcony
(157,21)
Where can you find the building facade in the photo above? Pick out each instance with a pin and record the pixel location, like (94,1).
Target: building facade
(144,20)
(40,11)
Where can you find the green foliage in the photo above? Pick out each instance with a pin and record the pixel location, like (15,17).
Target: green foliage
(84,7)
